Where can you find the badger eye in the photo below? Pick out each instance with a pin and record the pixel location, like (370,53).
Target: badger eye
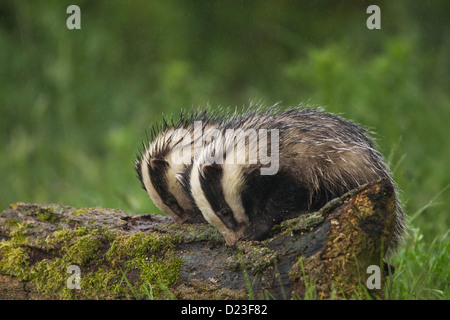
(225,212)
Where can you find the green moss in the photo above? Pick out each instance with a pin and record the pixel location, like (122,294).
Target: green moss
(50,277)
(302,223)
(138,244)
(79,212)
(148,261)
(103,284)
(13,253)
(46,214)
(197,233)
(78,246)
(82,211)
(149,254)
(18,232)
(158,272)
(14,260)
(254,257)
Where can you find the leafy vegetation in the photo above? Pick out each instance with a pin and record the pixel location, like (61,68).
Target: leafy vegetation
(75,103)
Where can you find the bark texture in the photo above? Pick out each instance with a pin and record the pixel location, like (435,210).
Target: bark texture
(320,255)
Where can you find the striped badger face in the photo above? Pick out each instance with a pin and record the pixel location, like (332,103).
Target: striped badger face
(217,194)
(158,168)
(242,204)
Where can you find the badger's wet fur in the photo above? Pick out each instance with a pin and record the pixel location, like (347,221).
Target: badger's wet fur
(321,156)
(158,172)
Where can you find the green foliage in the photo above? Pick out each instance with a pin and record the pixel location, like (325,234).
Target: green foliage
(75,103)
(423,271)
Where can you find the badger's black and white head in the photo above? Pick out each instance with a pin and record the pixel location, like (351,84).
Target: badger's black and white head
(217,193)
(164,160)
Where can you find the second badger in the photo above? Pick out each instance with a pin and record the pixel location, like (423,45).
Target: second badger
(320,156)
(158,165)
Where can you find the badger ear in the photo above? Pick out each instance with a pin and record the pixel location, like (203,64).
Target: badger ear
(159,163)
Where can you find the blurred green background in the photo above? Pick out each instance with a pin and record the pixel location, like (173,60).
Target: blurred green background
(75,104)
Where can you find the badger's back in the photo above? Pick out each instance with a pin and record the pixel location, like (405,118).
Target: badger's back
(321,156)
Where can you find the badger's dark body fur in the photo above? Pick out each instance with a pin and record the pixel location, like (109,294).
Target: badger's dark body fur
(321,156)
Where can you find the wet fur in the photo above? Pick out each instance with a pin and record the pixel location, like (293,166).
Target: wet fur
(322,156)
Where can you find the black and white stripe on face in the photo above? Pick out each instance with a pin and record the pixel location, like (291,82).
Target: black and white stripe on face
(211,184)
(157,170)
(176,199)
(217,195)
(154,175)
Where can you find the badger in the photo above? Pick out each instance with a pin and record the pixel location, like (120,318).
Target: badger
(320,156)
(161,162)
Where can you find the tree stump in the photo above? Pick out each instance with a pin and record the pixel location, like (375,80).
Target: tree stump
(51,251)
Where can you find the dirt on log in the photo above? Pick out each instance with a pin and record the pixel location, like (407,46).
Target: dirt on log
(51,251)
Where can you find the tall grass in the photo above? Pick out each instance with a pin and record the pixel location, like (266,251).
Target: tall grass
(423,269)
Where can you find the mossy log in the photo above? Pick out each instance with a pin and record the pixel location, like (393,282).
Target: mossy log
(121,256)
